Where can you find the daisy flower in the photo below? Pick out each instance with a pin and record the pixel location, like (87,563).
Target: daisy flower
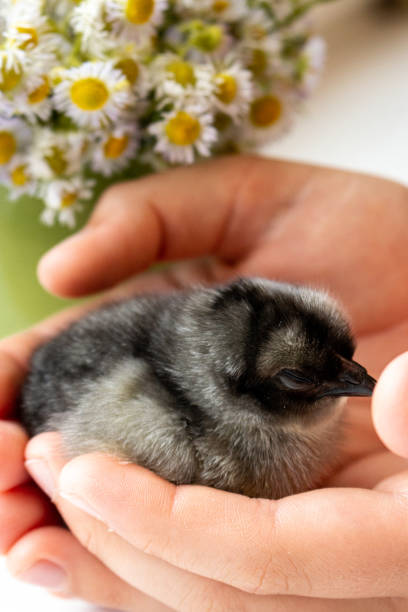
(256,27)
(32,34)
(29,51)
(88,19)
(234,89)
(310,64)
(208,40)
(63,199)
(18,178)
(130,60)
(180,79)
(270,115)
(95,95)
(15,136)
(115,149)
(35,103)
(12,62)
(102,84)
(135,19)
(182,134)
(56,154)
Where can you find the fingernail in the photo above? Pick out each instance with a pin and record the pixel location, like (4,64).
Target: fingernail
(46,574)
(43,476)
(80,503)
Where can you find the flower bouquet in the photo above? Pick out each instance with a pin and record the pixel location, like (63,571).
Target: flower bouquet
(93,88)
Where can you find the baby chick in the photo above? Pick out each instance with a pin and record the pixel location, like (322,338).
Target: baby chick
(237,387)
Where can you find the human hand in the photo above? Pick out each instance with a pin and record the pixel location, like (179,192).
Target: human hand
(195,548)
(332,207)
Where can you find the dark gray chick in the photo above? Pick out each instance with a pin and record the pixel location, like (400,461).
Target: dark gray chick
(236,387)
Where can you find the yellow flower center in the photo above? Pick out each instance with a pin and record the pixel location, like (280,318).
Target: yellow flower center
(139,11)
(129,68)
(114,147)
(89,94)
(19,176)
(220,5)
(182,72)
(258,62)
(56,161)
(39,94)
(9,78)
(227,88)
(8,147)
(33,36)
(183,129)
(68,199)
(266,111)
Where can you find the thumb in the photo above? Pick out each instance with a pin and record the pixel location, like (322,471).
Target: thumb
(182,213)
(390,406)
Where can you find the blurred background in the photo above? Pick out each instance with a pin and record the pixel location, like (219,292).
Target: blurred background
(356,120)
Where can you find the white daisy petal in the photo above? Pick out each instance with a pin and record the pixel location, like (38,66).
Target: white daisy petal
(183,133)
(56,154)
(89,20)
(64,198)
(18,178)
(270,116)
(181,81)
(115,149)
(234,89)
(15,137)
(95,95)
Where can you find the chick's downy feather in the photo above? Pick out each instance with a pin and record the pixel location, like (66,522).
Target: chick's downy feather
(237,387)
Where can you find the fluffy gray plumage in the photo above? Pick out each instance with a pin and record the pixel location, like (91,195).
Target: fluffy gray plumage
(236,387)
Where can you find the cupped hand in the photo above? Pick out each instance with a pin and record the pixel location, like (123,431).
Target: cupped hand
(237,216)
(195,548)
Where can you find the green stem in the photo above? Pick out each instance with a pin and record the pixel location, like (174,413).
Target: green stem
(297,13)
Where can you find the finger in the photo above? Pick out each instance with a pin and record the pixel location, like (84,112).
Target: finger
(368,471)
(171,585)
(220,535)
(187,212)
(390,406)
(162,581)
(52,558)
(13,440)
(21,510)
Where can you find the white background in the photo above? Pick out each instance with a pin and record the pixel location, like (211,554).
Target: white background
(358,119)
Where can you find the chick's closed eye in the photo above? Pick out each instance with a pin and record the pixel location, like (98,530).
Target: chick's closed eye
(294,380)
(235,387)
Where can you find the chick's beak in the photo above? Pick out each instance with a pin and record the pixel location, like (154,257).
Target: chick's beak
(352,380)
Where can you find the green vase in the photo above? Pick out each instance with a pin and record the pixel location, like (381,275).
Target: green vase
(23,240)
